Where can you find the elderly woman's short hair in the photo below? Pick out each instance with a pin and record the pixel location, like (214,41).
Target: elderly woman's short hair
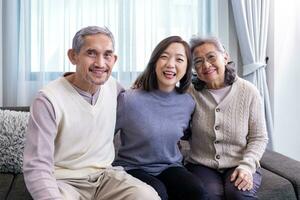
(230,72)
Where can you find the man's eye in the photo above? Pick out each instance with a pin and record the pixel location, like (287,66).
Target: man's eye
(108,55)
(91,53)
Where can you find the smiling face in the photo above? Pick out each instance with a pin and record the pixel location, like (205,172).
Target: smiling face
(171,66)
(210,64)
(94,62)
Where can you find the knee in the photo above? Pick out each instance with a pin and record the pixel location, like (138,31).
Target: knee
(143,192)
(234,193)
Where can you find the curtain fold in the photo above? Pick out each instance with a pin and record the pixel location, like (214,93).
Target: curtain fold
(1,61)
(10,47)
(251,21)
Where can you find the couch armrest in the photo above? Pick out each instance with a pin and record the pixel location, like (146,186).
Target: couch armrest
(17,108)
(284,167)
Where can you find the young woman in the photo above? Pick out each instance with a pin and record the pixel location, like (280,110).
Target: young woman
(153,116)
(228,128)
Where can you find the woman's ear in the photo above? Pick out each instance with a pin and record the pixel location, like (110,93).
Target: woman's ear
(226,57)
(72,56)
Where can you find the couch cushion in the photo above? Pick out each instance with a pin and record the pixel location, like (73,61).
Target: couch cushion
(12,130)
(18,189)
(5,184)
(275,187)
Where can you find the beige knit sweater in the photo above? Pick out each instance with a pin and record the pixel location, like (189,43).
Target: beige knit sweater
(231,133)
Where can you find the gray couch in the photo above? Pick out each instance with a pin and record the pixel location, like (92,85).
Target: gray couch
(281,177)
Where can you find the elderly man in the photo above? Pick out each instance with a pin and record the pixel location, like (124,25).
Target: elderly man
(69,143)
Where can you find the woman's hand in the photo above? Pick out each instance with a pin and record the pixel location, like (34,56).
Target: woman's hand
(243,180)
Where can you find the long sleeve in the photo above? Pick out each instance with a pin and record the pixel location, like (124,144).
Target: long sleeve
(257,136)
(38,165)
(231,133)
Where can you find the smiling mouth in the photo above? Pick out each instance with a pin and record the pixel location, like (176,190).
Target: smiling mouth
(209,71)
(98,72)
(169,75)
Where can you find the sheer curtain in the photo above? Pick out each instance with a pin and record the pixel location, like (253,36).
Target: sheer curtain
(1,61)
(39,33)
(251,19)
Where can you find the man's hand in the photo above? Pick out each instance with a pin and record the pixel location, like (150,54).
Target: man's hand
(243,180)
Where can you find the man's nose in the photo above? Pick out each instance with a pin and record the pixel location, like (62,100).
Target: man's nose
(100,61)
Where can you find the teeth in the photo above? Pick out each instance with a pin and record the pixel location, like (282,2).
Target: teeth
(170,73)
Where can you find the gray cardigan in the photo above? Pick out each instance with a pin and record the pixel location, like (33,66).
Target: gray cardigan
(231,133)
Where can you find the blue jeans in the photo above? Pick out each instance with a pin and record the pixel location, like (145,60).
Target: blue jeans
(219,186)
(175,183)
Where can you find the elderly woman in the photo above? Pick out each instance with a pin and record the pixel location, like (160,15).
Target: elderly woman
(228,127)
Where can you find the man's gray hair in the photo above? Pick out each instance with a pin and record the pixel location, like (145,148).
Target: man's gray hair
(78,39)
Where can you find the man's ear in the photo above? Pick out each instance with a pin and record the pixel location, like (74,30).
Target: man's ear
(72,56)
(116,58)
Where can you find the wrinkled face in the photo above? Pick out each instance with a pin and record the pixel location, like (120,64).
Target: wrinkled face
(171,67)
(209,64)
(94,62)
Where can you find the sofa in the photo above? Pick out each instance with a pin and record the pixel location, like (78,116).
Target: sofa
(281,175)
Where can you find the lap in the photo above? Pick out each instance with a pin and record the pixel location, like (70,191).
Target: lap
(218,184)
(232,192)
(210,177)
(99,186)
(182,184)
(156,183)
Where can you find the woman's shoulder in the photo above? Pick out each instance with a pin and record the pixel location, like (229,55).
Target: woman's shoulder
(186,99)
(246,85)
(131,95)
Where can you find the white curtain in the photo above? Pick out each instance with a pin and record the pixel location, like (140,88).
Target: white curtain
(1,62)
(251,21)
(38,33)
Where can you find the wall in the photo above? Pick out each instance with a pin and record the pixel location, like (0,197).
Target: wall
(286,75)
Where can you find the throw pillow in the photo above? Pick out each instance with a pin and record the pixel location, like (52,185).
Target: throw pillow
(13,125)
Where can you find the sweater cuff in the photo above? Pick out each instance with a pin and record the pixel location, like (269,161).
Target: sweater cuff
(249,165)
(246,168)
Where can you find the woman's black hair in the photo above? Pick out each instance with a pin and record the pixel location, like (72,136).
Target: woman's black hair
(147,80)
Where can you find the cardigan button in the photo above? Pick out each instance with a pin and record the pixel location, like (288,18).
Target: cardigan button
(217,109)
(218,157)
(217,127)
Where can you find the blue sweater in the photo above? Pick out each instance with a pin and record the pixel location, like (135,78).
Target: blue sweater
(151,125)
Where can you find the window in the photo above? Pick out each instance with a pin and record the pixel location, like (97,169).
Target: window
(138,25)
